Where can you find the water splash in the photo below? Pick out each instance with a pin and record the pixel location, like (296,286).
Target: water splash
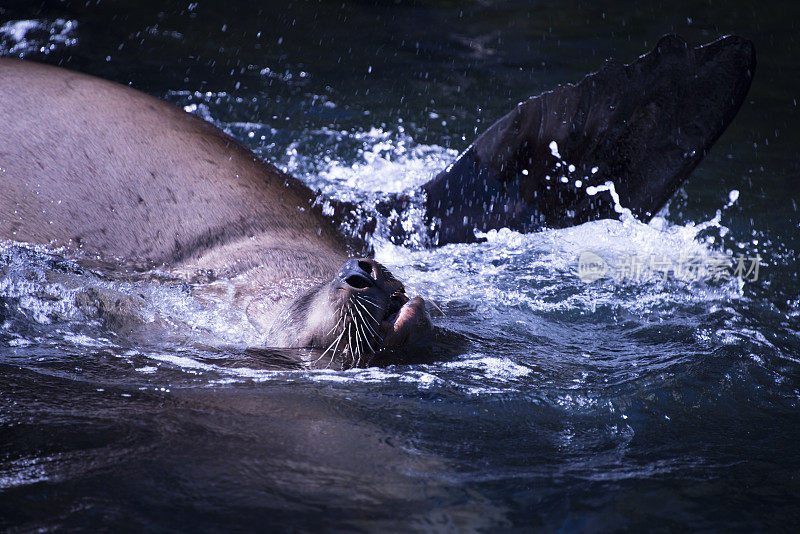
(510,281)
(37,36)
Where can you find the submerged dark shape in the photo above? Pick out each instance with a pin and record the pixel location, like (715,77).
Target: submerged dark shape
(644,126)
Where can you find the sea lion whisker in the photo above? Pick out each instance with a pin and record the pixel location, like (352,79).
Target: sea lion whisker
(333,354)
(355,324)
(339,339)
(367,341)
(369,300)
(350,345)
(331,345)
(359,348)
(363,342)
(432,303)
(335,341)
(367,329)
(357,355)
(359,308)
(369,323)
(360,325)
(361,328)
(366,300)
(334,326)
(365,322)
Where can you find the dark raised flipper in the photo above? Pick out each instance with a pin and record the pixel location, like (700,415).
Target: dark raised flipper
(644,126)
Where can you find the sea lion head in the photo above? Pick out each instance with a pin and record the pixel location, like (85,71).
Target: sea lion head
(361,311)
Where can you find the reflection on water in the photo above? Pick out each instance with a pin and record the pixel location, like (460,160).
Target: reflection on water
(546,402)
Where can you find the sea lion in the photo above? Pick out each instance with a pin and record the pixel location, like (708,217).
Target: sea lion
(93,165)
(116,173)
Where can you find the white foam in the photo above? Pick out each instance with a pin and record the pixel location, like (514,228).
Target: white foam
(490,367)
(184,362)
(510,267)
(86,341)
(19,342)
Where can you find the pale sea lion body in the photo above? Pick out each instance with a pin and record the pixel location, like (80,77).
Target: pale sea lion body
(93,165)
(119,174)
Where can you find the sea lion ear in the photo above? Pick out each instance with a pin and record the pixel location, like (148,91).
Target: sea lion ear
(643,126)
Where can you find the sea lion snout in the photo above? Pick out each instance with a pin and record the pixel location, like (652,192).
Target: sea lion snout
(357,274)
(361,311)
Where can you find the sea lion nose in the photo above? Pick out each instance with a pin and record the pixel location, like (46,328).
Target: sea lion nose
(356,273)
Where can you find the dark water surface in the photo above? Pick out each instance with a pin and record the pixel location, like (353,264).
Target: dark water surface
(548,404)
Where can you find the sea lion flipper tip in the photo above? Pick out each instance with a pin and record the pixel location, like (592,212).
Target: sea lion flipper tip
(643,126)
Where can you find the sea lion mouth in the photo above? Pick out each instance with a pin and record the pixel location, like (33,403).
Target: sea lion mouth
(396,301)
(407,325)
